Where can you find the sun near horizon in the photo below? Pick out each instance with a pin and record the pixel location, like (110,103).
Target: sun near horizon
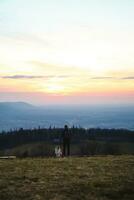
(67,51)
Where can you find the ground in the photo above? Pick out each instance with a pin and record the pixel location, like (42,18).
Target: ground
(85,178)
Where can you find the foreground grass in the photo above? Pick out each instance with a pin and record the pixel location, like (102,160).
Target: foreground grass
(91,178)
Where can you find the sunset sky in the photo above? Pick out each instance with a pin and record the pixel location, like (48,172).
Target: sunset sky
(67,51)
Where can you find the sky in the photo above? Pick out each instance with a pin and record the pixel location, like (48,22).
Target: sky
(67,51)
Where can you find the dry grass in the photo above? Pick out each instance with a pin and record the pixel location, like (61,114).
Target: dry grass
(91,178)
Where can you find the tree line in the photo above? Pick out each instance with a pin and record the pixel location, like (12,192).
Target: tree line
(54,135)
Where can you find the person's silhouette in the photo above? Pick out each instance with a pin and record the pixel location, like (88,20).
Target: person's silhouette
(66,141)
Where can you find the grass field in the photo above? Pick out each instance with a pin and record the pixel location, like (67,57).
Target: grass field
(91,178)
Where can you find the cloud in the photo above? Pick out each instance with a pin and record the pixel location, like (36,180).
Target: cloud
(21,77)
(128,78)
(101,77)
(64,77)
(32,77)
(113,78)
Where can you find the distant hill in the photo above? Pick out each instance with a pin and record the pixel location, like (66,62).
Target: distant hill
(8,106)
(15,114)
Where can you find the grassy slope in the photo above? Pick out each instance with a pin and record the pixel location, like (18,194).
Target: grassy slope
(91,178)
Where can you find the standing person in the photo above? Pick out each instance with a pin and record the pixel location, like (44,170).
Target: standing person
(66,141)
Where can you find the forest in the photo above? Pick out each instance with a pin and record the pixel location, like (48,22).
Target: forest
(42,141)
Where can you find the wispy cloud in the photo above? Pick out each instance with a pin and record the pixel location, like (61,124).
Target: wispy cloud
(128,78)
(102,77)
(113,78)
(65,76)
(32,77)
(21,77)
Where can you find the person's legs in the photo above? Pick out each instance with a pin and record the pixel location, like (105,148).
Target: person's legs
(64,148)
(68,148)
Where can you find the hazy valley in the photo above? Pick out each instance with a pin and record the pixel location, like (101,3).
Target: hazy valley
(19,114)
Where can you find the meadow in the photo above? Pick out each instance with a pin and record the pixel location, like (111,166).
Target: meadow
(73,178)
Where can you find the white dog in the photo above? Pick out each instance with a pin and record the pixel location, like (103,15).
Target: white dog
(58,152)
